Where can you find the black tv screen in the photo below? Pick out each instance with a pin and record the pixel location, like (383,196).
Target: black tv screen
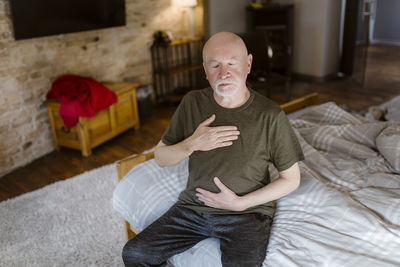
(36,18)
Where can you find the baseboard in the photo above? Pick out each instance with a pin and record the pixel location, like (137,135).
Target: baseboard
(385,42)
(312,78)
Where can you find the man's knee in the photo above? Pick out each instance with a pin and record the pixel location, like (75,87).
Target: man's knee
(132,254)
(135,253)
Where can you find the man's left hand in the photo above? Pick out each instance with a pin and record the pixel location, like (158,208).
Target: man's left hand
(226,199)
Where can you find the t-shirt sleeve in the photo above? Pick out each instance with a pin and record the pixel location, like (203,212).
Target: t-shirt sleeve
(285,149)
(175,131)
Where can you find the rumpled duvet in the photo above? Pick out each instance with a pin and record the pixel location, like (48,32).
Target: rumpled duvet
(346,211)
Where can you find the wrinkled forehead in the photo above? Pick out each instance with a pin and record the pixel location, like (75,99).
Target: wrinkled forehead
(224,46)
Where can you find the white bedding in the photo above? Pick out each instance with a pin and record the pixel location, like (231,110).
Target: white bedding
(345,212)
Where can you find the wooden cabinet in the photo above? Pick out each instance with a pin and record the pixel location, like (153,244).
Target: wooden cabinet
(177,68)
(106,124)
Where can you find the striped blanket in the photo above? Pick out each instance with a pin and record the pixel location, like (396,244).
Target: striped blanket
(346,210)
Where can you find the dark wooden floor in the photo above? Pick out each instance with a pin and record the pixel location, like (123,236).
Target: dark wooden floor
(381,84)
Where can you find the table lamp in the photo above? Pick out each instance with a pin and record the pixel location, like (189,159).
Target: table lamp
(189,4)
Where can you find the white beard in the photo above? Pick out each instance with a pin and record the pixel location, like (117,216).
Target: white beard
(226,93)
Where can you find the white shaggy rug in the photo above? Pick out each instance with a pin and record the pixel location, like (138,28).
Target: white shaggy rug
(68,223)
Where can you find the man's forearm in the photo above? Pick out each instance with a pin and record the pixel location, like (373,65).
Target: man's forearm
(170,155)
(226,199)
(273,191)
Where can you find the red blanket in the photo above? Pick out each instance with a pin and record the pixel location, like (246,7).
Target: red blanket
(80,97)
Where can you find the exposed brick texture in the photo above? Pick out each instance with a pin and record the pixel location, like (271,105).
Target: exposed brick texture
(28,67)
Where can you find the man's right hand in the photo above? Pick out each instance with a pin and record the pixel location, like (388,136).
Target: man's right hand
(206,137)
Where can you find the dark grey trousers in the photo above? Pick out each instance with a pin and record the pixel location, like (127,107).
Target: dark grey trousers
(243,238)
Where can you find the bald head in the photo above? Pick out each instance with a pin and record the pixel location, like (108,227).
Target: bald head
(226,64)
(221,40)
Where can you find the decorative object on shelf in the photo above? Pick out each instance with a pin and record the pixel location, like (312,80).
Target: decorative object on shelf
(256,4)
(161,37)
(189,5)
(259,3)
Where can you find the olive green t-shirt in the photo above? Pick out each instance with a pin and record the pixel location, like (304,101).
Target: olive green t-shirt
(266,137)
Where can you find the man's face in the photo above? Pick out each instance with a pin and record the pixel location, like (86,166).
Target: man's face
(226,66)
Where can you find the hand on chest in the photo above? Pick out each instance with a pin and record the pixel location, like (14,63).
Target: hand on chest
(253,132)
(251,144)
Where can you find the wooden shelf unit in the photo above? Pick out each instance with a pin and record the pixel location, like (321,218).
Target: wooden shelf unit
(177,68)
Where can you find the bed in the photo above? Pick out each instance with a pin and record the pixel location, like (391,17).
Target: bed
(346,210)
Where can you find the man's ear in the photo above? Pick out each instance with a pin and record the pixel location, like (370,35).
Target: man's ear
(249,62)
(205,69)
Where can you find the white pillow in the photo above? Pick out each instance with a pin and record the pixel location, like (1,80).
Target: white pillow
(148,191)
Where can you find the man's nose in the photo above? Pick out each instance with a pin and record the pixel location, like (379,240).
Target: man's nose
(225,73)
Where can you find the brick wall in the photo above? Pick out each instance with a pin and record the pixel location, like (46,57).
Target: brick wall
(28,67)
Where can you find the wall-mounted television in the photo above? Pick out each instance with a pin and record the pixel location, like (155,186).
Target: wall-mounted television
(37,18)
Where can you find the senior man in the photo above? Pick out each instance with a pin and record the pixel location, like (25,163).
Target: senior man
(231,135)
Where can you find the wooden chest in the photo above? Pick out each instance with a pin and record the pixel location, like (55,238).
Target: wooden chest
(106,124)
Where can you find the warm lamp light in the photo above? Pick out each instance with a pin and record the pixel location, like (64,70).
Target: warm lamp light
(189,4)
(184,3)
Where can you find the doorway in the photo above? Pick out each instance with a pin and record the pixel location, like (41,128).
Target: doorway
(366,23)
(356,35)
